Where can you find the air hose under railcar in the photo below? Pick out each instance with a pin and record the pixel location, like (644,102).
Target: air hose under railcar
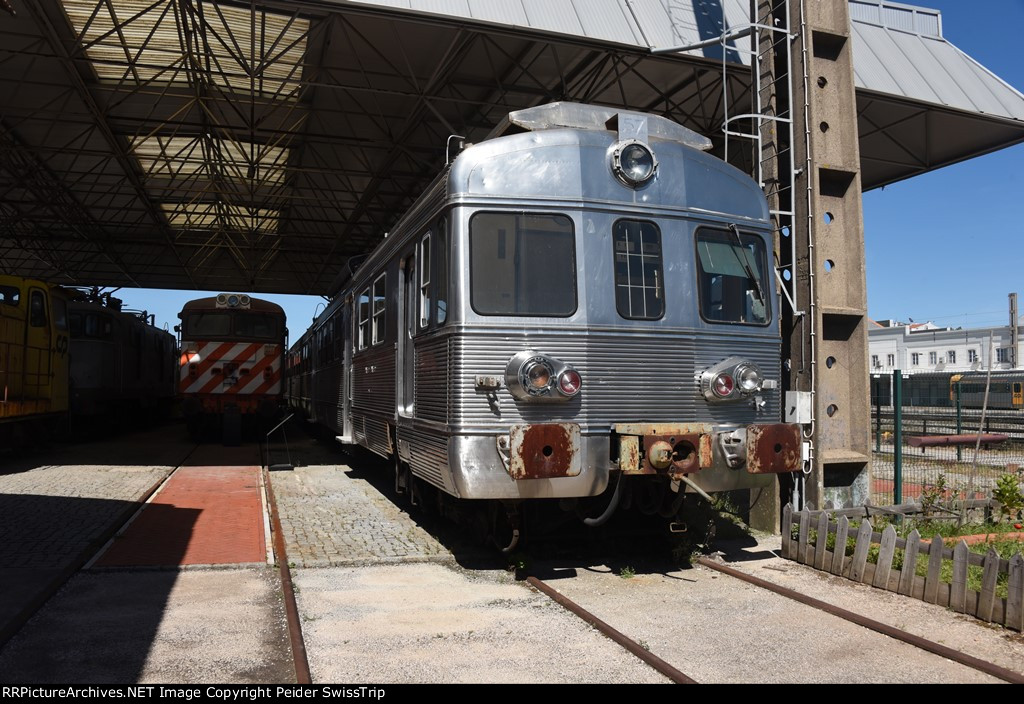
(609,511)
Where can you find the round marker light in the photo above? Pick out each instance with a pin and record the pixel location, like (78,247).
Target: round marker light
(569,382)
(748,377)
(722,385)
(634,163)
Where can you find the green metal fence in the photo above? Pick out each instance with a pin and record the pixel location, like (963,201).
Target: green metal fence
(906,408)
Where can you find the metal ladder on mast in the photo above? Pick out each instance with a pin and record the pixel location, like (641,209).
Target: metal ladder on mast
(768,126)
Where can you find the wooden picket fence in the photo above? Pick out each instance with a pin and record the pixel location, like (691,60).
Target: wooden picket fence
(810,548)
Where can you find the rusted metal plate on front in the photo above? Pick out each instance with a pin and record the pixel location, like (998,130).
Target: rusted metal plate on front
(773,448)
(705,455)
(629,454)
(545,451)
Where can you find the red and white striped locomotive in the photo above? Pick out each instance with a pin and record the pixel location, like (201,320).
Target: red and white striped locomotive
(232,355)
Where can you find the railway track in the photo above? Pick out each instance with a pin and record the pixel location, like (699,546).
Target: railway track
(639,649)
(675,675)
(298,645)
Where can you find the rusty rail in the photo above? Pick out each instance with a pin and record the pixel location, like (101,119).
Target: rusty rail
(632,646)
(299,658)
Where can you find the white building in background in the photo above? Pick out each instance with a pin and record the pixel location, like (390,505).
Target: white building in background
(925,347)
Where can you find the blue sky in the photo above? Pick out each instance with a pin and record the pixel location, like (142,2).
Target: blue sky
(945,246)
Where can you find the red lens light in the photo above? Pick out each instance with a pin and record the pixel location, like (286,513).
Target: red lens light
(569,382)
(722,385)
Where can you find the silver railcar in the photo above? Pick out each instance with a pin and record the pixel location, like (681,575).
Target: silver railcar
(584,297)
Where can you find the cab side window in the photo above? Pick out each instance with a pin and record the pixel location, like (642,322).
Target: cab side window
(37,309)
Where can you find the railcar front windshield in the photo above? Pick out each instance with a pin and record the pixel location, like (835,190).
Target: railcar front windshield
(732,277)
(522,264)
(232,324)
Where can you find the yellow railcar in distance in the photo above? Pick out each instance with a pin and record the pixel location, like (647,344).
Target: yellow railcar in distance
(34,342)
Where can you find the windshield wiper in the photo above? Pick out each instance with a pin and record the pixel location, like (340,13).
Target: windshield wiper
(745,264)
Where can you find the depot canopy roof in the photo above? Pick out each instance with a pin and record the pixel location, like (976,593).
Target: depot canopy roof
(257,145)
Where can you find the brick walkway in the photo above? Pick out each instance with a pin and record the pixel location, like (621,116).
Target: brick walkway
(202,516)
(331,518)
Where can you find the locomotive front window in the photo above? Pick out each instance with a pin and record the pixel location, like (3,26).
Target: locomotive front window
(731,277)
(208,324)
(638,270)
(258,325)
(90,325)
(522,264)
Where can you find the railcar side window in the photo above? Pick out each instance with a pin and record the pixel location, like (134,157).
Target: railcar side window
(442,272)
(639,287)
(425,281)
(379,308)
(731,277)
(522,264)
(364,320)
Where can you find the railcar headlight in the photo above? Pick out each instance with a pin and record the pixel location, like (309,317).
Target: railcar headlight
(633,163)
(749,378)
(732,379)
(536,375)
(531,376)
(232,300)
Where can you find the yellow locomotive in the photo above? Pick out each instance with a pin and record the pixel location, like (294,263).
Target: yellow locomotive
(34,344)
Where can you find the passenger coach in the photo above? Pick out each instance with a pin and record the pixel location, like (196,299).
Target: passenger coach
(582,304)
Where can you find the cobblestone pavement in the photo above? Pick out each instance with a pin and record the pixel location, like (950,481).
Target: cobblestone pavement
(49,514)
(331,518)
